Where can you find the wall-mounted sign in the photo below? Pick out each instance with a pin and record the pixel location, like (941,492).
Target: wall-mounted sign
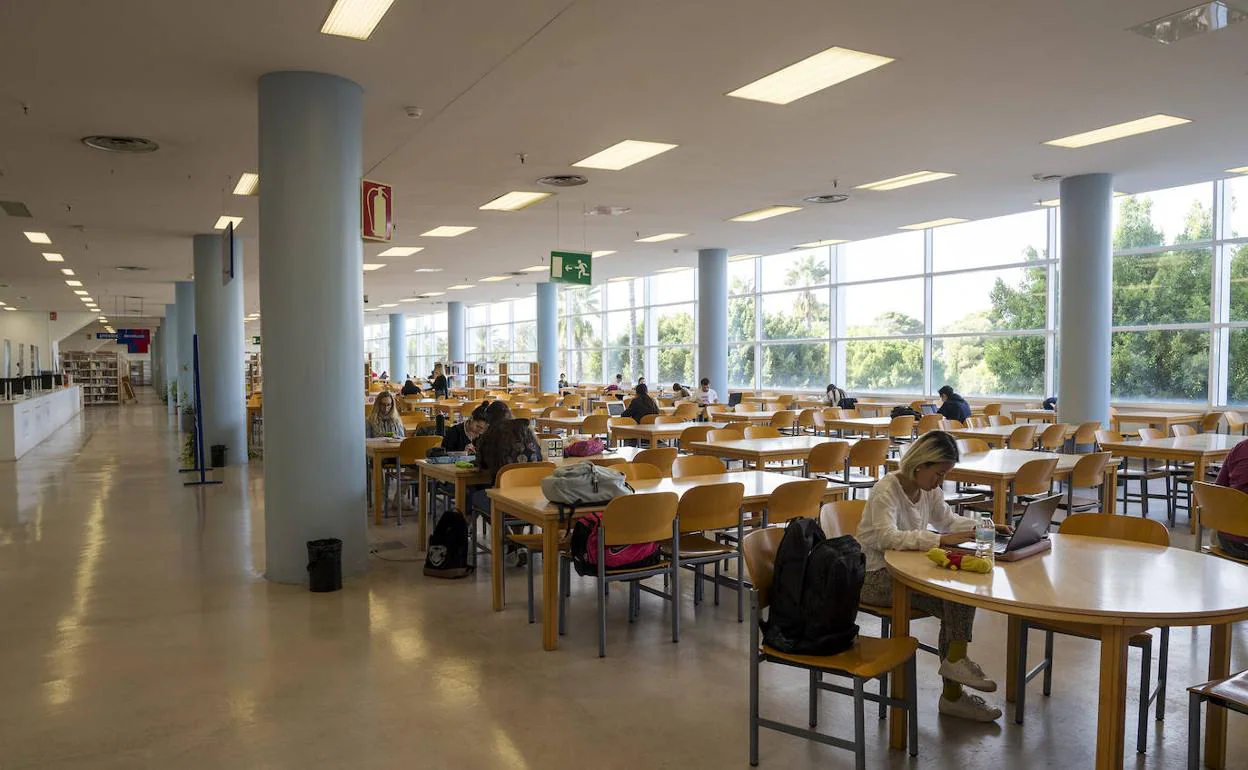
(52,316)
(571,267)
(105,335)
(376,211)
(255,340)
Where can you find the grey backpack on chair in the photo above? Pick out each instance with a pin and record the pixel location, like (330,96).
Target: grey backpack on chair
(580,483)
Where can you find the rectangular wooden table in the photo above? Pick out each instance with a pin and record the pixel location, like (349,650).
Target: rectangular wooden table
(655,432)
(1034,415)
(1162,420)
(530,505)
(997,435)
(871,426)
(1199,450)
(378,451)
(760,451)
(754,417)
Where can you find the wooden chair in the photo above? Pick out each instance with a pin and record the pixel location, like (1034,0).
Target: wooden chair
(714,410)
(918,406)
(608,461)
(639,471)
(522,475)
(969,446)
(1210,422)
(869,658)
(405,474)
(648,419)
(786,399)
(661,458)
(868,454)
(693,433)
(1230,693)
(827,459)
(726,434)
(1034,479)
(810,421)
(710,508)
(667,419)
(948,425)
(991,410)
(1085,434)
(1235,423)
(1111,527)
(1224,509)
(697,465)
(1141,475)
(686,411)
(1022,437)
(563,413)
(999,419)
(596,425)
(1150,434)
(1088,473)
(793,499)
(929,423)
(785,422)
(762,431)
(631,520)
(901,429)
(1182,430)
(1053,438)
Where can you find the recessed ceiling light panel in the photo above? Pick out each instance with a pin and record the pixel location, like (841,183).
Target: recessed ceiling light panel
(598,254)
(37,237)
(759,215)
(401,251)
(447,231)
(933,223)
(225,221)
(624,154)
(515,201)
(906,180)
(812,74)
(371,266)
(355,18)
(661,237)
(537,269)
(1119,131)
(53,257)
(248,184)
(494,278)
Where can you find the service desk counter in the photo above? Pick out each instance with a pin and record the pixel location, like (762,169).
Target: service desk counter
(24,423)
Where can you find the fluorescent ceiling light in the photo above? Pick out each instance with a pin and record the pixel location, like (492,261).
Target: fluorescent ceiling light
(87,300)
(757,215)
(448,231)
(597,254)
(427,270)
(824,242)
(10,309)
(514,201)
(620,278)
(248,183)
(2,304)
(459,286)
(73,283)
(905,180)
(494,278)
(933,223)
(624,154)
(1119,131)
(739,257)
(814,73)
(67,271)
(673,269)
(225,221)
(401,251)
(661,237)
(81,292)
(370,266)
(431,294)
(1240,170)
(53,257)
(1058,201)
(537,269)
(410,299)
(355,18)
(389,304)
(37,237)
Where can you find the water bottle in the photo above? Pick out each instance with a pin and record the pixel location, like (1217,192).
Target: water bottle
(985,536)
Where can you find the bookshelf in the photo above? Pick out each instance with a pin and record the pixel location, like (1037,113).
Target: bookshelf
(255,378)
(480,377)
(99,374)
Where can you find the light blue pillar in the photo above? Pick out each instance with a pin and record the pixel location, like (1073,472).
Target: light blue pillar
(548,337)
(219,323)
(184,292)
(1085,298)
(713,319)
(455,331)
(169,341)
(398,348)
(158,372)
(312,302)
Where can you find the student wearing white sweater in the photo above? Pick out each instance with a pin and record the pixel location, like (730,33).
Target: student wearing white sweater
(898,512)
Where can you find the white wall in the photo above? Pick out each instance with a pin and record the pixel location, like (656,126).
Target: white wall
(34,328)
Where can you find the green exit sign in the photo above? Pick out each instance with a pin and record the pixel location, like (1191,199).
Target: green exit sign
(571,267)
(255,340)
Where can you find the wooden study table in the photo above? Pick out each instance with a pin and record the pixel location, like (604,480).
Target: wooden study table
(1121,588)
(996,436)
(570,424)
(760,451)
(1162,420)
(878,408)
(530,505)
(754,417)
(1034,415)
(871,426)
(655,432)
(378,451)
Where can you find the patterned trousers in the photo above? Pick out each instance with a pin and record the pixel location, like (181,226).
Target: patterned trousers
(956,620)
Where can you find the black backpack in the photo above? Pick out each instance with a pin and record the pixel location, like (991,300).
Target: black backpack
(847,403)
(448,547)
(815,591)
(904,411)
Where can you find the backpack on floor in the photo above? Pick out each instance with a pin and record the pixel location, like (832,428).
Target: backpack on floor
(815,591)
(448,547)
(584,548)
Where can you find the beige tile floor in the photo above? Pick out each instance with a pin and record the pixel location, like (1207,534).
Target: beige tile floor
(138,632)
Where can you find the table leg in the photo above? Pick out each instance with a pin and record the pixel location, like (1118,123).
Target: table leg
(1215,717)
(550,586)
(897,682)
(1000,500)
(1013,634)
(1112,705)
(1109,490)
(423,493)
(496,553)
(1198,474)
(377,491)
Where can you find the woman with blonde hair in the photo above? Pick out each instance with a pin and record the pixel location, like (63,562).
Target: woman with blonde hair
(898,512)
(384,421)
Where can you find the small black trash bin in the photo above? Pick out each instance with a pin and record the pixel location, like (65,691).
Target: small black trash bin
(217,452)
(325,565)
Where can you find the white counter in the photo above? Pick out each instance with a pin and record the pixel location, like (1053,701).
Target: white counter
(25,423)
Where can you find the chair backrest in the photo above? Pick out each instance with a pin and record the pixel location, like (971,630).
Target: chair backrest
(523,474)
(999,419)
(1234,421)
(828,457)
(634,471)
(697,465)
(1209,423)
(660,457)
(648,419)
(795,498)
(831,413)
(711,506)
(783,420)
(901,427)
(918,406)
(621,421)
(869,453)
(953,424)
(930,422)
(694,433)
(1054,436)
(810,418)
(563,413)
(759,548)
(667,419)
(725,434)
(714,409)
(595,425)
(415,448)
(762,431)
(1033,476)
(631,519)
(972,445)
(1182,430)
(977,421)
(1089,470)
(665,401)
(841,517)
(1148,434)
(1023,437)
(1086,432)
(1115,527)
(786,398)
(522,413)
(1222,508)
(1108,436)
(992,409)
(686,410)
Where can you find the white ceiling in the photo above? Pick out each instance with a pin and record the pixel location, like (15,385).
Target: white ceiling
(977,86)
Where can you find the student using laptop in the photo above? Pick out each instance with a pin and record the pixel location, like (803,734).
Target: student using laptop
(898,512)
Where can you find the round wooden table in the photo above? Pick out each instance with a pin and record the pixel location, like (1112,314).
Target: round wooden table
(1121,587)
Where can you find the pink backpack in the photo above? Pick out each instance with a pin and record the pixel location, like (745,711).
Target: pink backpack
(585,549)
(585,448)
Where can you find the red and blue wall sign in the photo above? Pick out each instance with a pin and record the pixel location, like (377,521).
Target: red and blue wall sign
(135,340)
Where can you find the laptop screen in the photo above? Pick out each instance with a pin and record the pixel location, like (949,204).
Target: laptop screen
(734,398)
(615,408)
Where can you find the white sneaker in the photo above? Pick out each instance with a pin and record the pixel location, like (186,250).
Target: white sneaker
(970,707)
(967,672)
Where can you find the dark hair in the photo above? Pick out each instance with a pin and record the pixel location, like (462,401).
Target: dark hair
(642,390)
(705,381)
(497,411)
(831,388)
(945,391)
(479,412)
(675,386)
(619,375)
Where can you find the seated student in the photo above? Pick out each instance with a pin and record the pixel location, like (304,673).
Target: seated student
(835,396)
(641,405)
(706,394)
(900,508)
(384,421)
(410,388)
(460,437)
(617,385)
(641,380)
(1234,474)
(505,441)
(563,381)
(680,392)
(952,405)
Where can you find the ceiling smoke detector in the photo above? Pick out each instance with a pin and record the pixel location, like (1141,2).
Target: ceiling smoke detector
(826,198)
(607,211)
(134,145)
(563,180)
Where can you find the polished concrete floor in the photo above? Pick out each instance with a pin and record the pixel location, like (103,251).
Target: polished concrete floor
(137,632)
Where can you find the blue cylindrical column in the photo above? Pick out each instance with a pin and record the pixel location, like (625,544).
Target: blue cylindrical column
(184,293)
(312,301)
(455,331)
(398,348)
(548,337)
(713,319)
(169,341)
(1085,299)
(158,371)
(219,323)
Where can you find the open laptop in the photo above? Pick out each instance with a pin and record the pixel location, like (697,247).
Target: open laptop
(1032,527)
(734,398)
(929,409)
(615,408)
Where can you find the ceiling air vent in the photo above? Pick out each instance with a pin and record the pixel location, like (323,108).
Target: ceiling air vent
(827,198)
(563,180)
(134,145)
(15,209)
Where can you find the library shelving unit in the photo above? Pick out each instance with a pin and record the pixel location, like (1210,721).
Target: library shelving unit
(255,378)
(519,374)
(99,374)
(480,377)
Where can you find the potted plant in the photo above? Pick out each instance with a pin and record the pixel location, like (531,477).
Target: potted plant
(188,418)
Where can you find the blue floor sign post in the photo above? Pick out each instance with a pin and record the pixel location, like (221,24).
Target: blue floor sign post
(571,267)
